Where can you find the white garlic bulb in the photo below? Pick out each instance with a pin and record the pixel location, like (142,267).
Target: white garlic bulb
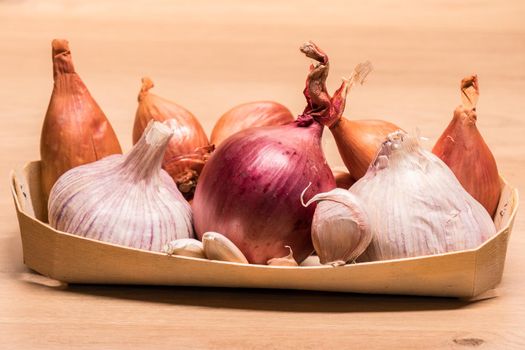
(415,204)
(340,228)
(124,199)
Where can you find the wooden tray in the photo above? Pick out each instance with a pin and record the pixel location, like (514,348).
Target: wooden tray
(73,259)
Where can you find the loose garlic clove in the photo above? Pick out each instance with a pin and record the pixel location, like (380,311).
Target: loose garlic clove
(218,247)
(340,228)
(185,247)
(285,260)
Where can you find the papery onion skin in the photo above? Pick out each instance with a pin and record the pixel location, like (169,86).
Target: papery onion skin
(464,150)
(124,199)
(249,115)
(188,149)
(251,187)
(75,130)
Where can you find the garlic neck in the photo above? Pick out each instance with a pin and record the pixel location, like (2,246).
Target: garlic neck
(144,161)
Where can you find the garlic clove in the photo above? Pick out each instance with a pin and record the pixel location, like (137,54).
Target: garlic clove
(287,260)
(185,247)
(218,247)
(340,227)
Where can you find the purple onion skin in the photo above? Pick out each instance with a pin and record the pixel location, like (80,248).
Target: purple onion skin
(250,190)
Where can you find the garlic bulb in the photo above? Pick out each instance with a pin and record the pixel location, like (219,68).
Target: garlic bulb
(285,260)
(185,247)
(415,204)
(340,228)
(218,247)
(124,199)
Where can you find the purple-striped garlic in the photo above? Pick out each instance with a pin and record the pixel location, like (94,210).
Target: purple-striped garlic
(416,205)
(124,199)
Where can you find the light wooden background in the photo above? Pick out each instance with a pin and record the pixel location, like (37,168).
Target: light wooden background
(210,56)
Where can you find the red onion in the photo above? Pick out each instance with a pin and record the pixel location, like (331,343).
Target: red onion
(250,189)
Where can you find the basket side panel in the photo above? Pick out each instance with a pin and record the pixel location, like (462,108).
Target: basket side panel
(84,261)
(490,261)
(38,244)
(490,258)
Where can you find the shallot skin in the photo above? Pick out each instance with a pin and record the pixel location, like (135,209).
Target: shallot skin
(188,149)
(75,129)
(188,132)
(463,149)
(249,115)
(250,190)
(358,142)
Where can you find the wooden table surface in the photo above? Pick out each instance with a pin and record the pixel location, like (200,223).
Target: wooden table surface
(211,56)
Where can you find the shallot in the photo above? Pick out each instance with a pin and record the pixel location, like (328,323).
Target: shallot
(249,115)
(188,149)
(75,129)
(463,149)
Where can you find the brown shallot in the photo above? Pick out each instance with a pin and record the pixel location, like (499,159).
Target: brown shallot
(75,129)
(188,149)
(249,115)
(464,150)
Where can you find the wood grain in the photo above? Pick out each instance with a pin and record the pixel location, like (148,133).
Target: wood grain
(210,56)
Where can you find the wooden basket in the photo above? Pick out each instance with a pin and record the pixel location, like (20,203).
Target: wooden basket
(73,259)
